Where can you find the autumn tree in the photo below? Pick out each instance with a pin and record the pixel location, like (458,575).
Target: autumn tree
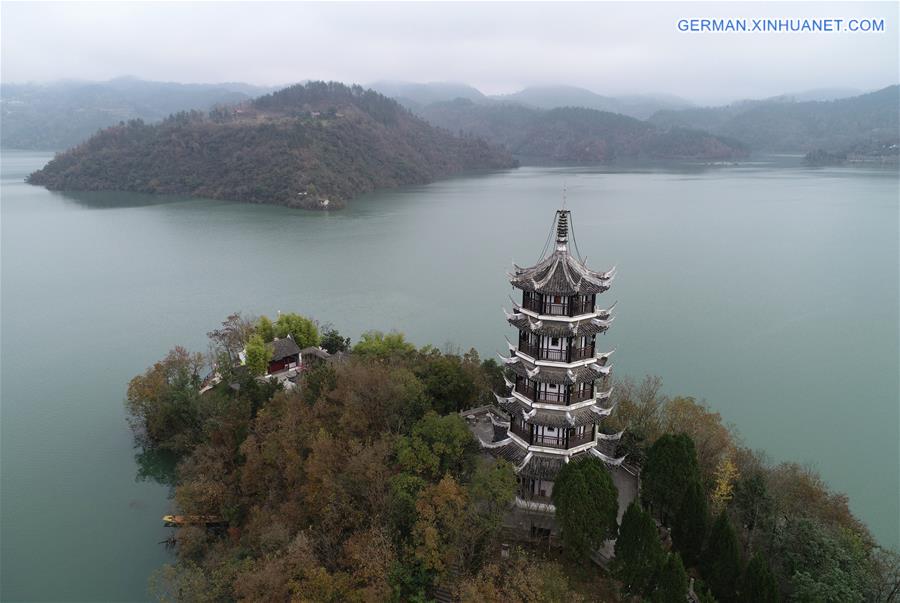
(712,439)
(723,486)
(670,468)
(639,554)
(721,560)
(232,336)
(440,526)
(521,579)
(586,503)
(162,403)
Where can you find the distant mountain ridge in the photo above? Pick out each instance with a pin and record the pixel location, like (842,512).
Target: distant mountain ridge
(303,146)
(418,95)
(574,134)
(640,106)
(62,114)
(782,124)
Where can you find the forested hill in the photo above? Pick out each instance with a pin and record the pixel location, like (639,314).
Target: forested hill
(869,121)
(577,134)
(59,115)
(295,147)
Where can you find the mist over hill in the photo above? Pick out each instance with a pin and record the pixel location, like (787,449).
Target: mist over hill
(640,106)
(418,95)
(59,115)
(303,146)
(414,95)
(868,121)
(573,134)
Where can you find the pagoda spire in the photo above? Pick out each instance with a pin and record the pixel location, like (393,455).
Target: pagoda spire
(562,229)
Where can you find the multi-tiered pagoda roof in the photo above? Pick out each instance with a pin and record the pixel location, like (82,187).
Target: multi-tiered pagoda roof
(559,392)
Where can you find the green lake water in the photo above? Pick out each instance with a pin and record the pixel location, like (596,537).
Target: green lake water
(769,290)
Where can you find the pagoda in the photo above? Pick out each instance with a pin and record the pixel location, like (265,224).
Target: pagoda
(558,380)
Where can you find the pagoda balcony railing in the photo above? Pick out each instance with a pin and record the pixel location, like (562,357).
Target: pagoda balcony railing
(582,353)
(561,441)
(585,394)
(586,437)
(555,354)
(557,397)
(534,497)
(567,308)
(581,307)
(522,432)
(550,441)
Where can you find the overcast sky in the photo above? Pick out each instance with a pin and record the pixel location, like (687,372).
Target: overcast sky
(610,48)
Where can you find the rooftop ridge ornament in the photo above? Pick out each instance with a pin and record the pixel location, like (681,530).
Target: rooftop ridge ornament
(562,229)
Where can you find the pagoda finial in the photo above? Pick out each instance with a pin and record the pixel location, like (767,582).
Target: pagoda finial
(562,229)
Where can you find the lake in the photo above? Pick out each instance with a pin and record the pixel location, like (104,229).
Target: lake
(767,289)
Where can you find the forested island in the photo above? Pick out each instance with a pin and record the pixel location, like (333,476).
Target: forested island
(313,146)
(360,481)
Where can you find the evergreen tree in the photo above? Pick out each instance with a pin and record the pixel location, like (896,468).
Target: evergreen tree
(691,523)
(639,554)
(258,355)
(265,329)
(586,503)
(673,581)
(721,561)
(758,584)
(670,468)
(303,330)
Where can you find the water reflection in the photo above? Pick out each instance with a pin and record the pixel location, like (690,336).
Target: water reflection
(156,465)
(118,200)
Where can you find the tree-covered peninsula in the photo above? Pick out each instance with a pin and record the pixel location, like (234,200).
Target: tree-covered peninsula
(361,481)
(314,145)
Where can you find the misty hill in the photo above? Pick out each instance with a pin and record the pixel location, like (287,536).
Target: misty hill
(415,95)
(822,94)
(294,147)
(576,134)
(781,124)
(552,97)
(60,115)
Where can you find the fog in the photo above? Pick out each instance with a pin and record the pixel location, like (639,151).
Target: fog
(611,48)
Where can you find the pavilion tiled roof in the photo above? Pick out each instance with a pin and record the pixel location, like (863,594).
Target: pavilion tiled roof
(284,347)
(561,274)
(588,326)
(558,375)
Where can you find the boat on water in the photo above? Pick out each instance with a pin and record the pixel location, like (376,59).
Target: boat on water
(193,520)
